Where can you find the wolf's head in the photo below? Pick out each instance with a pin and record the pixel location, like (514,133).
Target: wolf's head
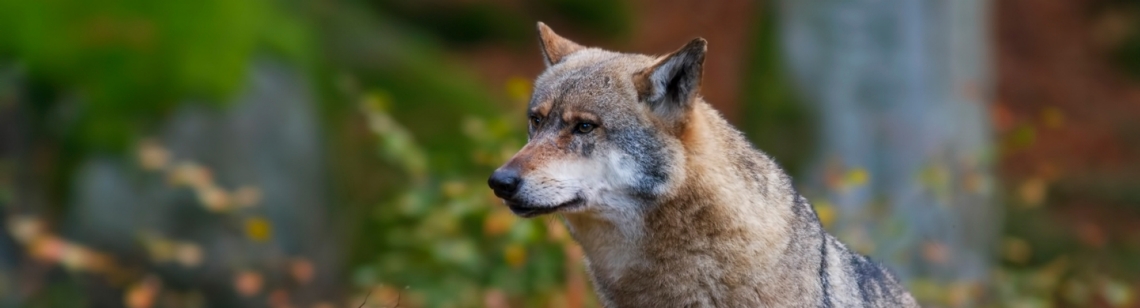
(604,130)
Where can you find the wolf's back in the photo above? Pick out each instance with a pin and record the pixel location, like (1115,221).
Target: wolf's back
(847,278)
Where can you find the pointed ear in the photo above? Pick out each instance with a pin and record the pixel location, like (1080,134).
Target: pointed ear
(670,85)
(554,47)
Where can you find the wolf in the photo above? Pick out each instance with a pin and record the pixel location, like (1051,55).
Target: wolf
(672,206)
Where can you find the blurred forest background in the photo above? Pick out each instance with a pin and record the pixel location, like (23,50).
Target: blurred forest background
(333,153)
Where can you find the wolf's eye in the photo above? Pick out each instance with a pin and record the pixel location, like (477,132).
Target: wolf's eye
(583,128)
(535,120)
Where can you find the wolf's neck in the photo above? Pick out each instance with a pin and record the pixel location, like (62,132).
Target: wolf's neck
(612,244)
(735,200)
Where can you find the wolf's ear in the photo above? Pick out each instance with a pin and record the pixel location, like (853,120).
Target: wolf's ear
(670,85)
(554,47)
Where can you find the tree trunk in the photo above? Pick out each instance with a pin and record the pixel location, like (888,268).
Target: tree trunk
(902,89)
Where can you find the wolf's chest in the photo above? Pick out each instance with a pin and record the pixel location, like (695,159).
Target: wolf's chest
(696,286)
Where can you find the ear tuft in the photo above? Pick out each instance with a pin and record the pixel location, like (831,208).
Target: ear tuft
(554,47)
(671,84)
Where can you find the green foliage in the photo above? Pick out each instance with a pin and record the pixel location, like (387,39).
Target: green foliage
(409,64)
(603,18)
(462,23)
(445,238)
(439,232)
(470,22)
(131,60)
(1125,52)
(774,118)
(67,294)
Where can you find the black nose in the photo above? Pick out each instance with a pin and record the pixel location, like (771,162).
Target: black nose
(505,182)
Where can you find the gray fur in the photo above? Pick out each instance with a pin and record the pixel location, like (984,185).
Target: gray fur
(671,204)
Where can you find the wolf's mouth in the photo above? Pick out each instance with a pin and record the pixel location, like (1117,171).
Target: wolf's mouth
(527,210)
